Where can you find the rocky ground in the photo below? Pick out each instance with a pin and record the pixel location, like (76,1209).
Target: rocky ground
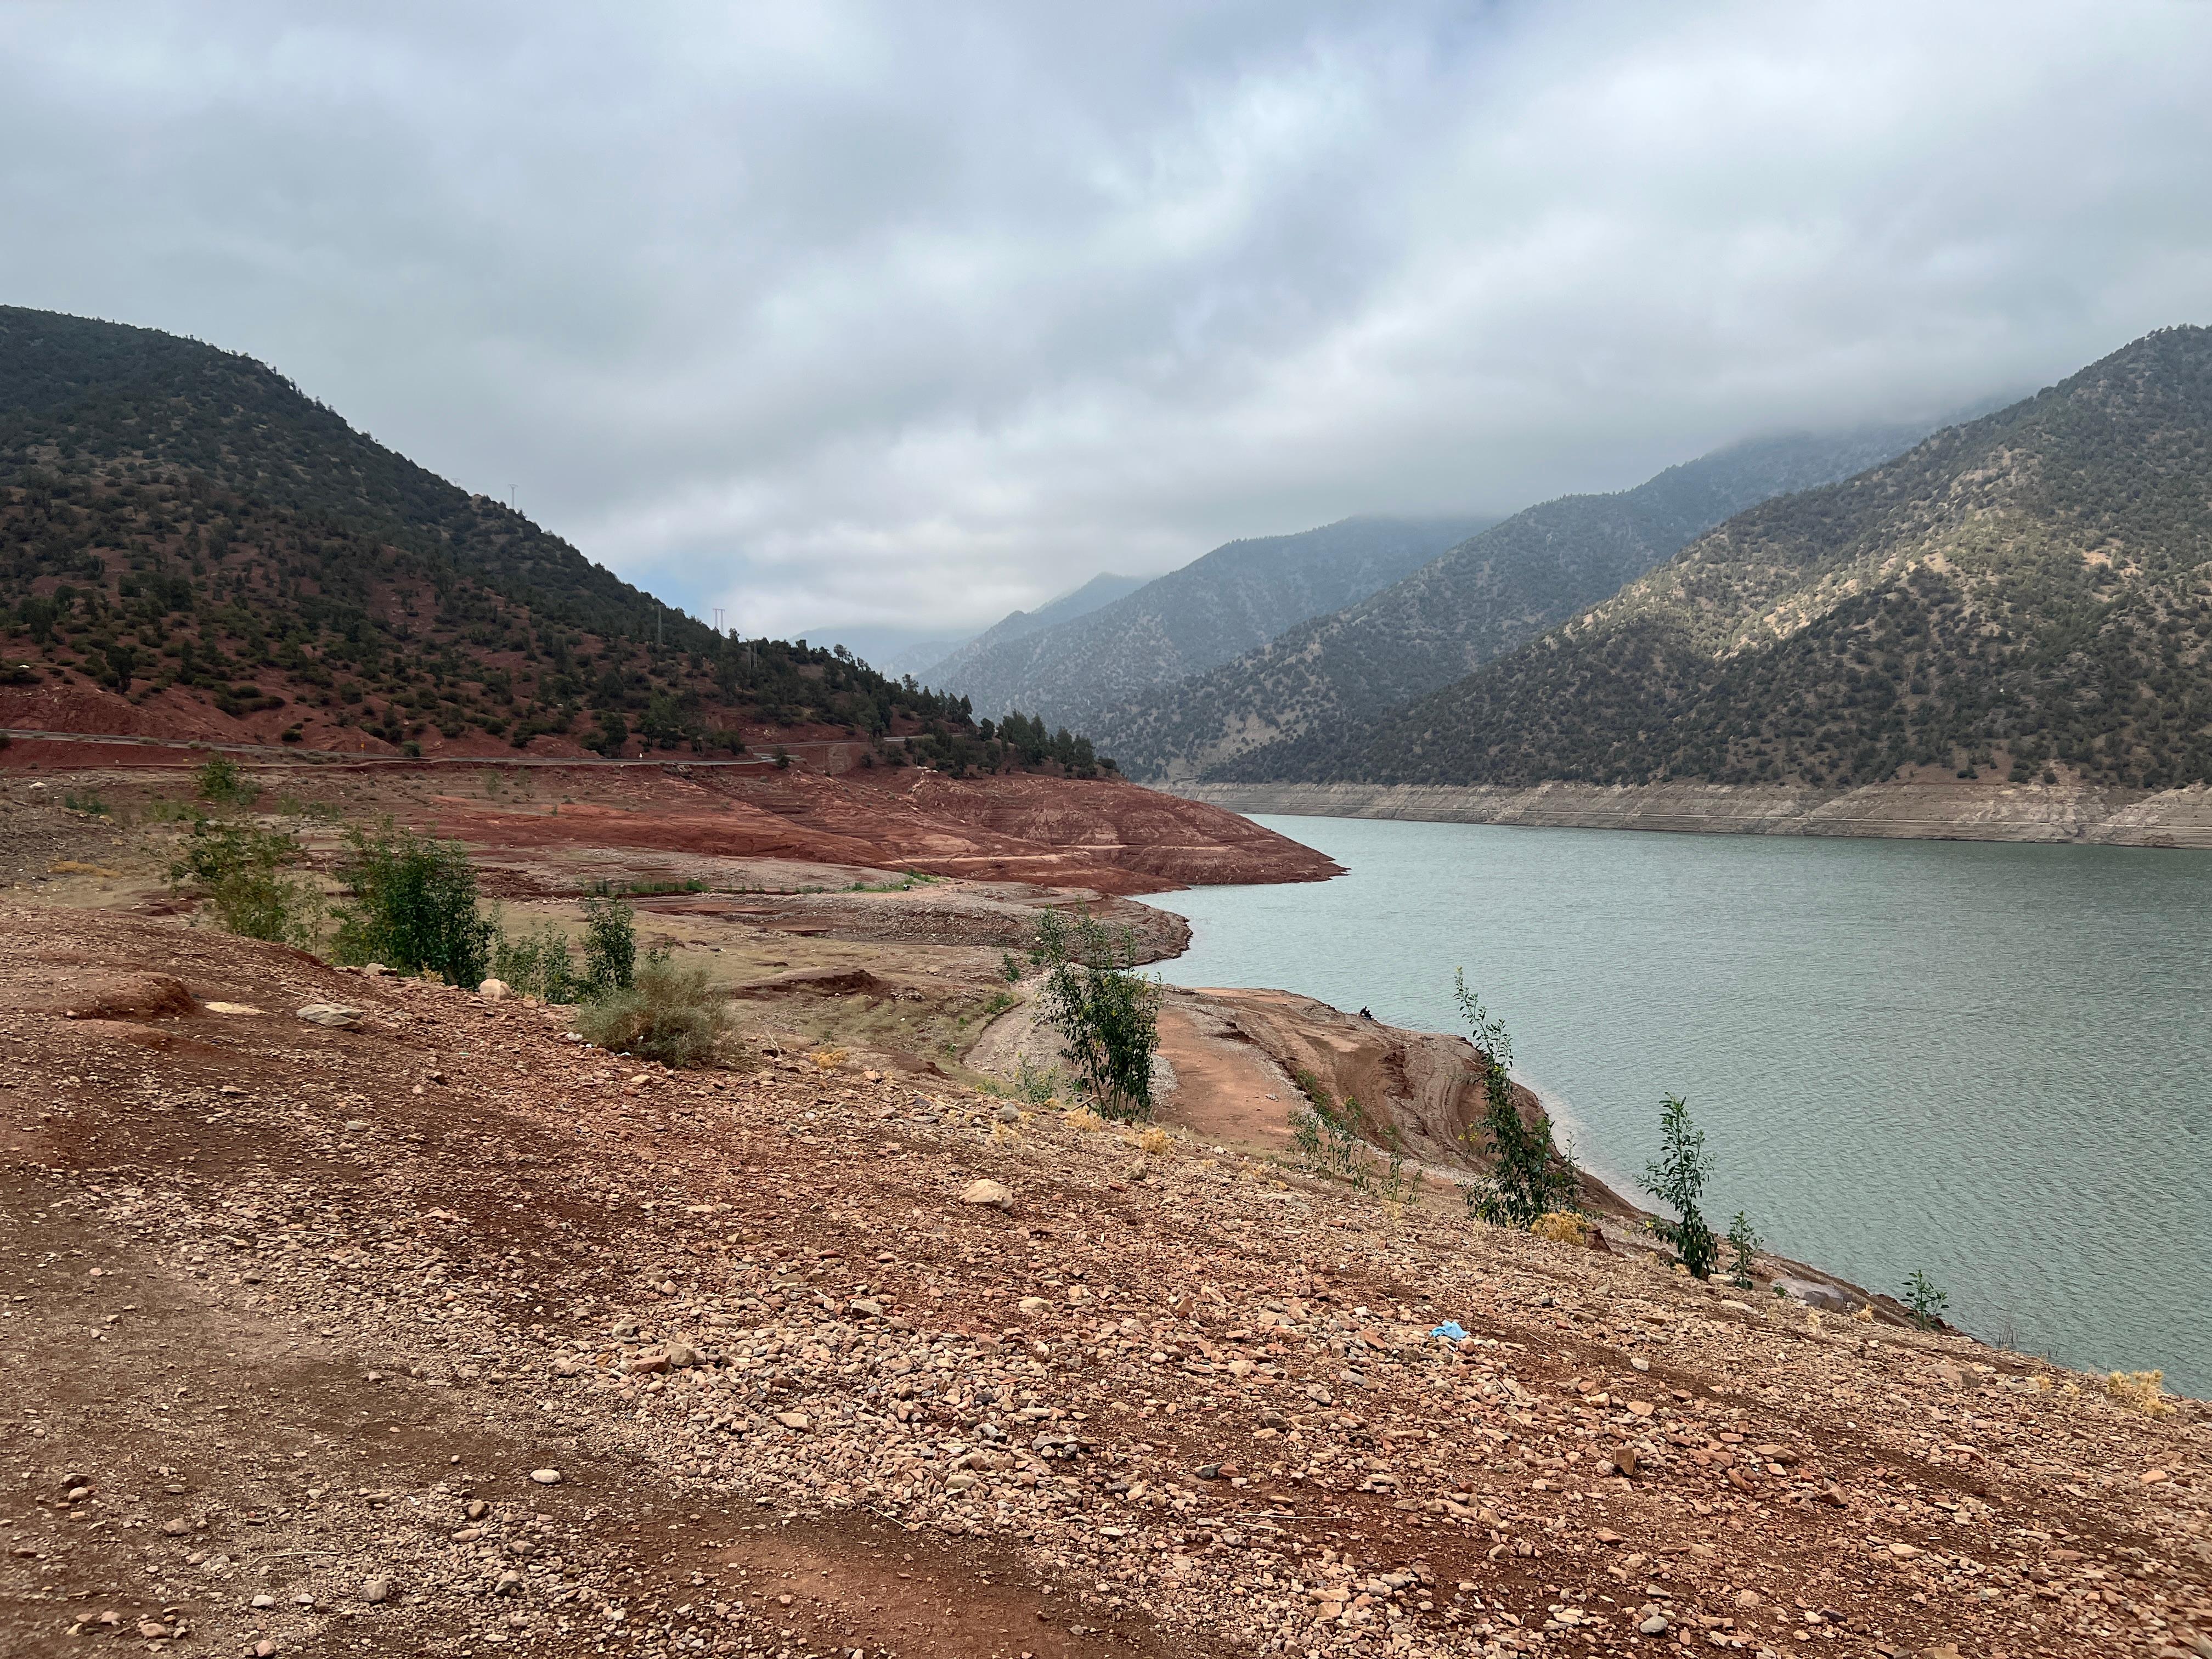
(438,1332)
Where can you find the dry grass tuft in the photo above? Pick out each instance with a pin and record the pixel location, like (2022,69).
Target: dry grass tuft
(2140,1391)
(1562,1227)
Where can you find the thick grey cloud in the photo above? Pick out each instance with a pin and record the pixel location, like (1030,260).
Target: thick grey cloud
(905,315)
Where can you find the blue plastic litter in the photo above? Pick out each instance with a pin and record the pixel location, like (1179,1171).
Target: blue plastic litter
(1449,1329)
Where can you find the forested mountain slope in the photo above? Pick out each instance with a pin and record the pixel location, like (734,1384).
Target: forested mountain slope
(1096,595)
(190,546)
(2030,592)
(1486,595)
(1187,621)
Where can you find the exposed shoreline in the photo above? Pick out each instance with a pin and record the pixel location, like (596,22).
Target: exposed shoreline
(2055,813)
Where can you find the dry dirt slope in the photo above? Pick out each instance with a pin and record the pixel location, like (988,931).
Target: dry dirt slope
(296,1312)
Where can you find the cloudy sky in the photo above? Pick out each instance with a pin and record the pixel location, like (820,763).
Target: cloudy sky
(905,315)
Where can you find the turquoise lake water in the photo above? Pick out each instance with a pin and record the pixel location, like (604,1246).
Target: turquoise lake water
(1991,1063)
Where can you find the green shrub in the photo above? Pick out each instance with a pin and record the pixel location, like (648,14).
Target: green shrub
(1923,1301)
(241,871)
(1038,1085)
(414,907)
(1744,1243)
(668,1013)
(1677,1177)
(1530,1178)
(1107,1017)
(610,943)
(537,964)
(220,782)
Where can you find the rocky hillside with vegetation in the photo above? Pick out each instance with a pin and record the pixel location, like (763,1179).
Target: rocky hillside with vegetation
(2027,595)
(190,547)
(471,1336)
(1235,597)
(1482,598)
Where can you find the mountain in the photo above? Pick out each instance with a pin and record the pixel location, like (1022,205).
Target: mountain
(191,546)
(891,652)
(2031,592)
(1182,624)
(1095,594)
(1484,596)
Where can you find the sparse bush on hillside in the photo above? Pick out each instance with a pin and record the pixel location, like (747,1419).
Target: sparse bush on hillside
(667,1013)
(537,964)
(1923,1301)
(2142,1391)
(1528,1176)
(1677,1178)
(1107,1017)
(1327,1145)
(239,870)
(1744,1243)
(413,907)
(221,784)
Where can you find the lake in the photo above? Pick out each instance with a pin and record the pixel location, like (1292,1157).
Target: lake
(1993,1063)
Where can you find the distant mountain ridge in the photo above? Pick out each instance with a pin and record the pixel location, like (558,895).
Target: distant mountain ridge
(1483,597)
(1226,602)
(1096,595)
(2030,592)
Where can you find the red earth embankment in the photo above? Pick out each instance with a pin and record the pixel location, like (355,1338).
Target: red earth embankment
(1110,836)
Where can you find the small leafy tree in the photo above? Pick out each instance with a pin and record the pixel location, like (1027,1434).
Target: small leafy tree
(413,906)
(1107,1017)
(1744,1243)
(240,870)
(1923,1301)
(1677,1177)
(610,943)
(1528,1175)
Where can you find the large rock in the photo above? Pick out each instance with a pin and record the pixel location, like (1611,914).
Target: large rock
(987,1192)
(1814,1294)
(330,1013)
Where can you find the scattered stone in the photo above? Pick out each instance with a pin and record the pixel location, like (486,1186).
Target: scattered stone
(330,1013)
(795,1420)
(987,1192)
(376,1591)
(1656,1625)
(546,1477)
(495,990)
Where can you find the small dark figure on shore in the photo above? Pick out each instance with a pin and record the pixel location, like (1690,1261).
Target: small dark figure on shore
(1363,1014)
